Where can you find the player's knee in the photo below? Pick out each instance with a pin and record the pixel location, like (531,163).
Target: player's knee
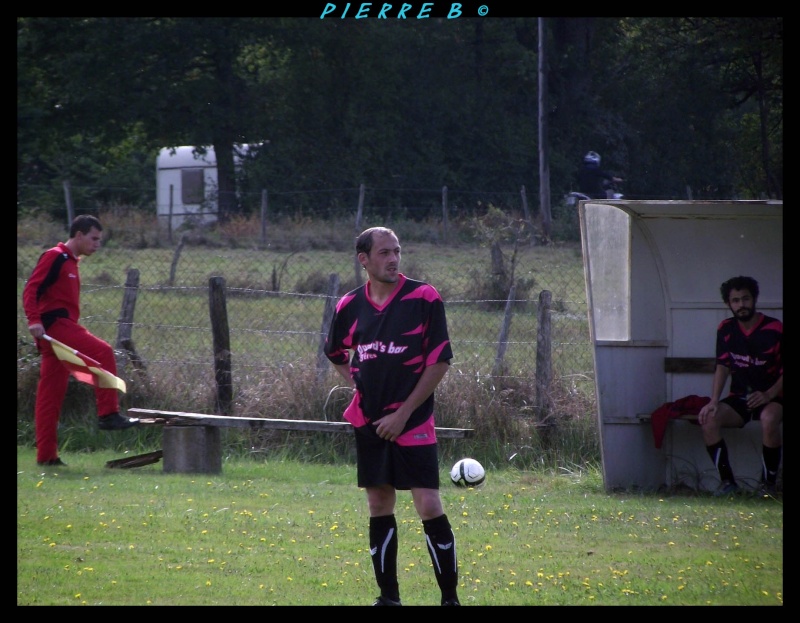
(771,415)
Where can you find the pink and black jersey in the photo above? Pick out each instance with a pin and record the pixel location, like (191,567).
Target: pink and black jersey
(754,358)
(391,346)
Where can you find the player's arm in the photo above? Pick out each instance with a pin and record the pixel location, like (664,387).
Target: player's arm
(390,426)
(757,399)
(344,371)
(30,294)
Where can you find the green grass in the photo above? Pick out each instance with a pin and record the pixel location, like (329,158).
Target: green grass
(281,532)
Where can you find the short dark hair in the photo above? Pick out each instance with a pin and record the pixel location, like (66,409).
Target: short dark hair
(739,283)
(83,224)
(364,240)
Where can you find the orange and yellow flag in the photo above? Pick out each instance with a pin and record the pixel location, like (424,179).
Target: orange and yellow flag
(84,368)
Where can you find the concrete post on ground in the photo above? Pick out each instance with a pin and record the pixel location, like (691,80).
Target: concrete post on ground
(192,450)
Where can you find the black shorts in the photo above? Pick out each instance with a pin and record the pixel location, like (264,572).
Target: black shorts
(381,462)
(739,404)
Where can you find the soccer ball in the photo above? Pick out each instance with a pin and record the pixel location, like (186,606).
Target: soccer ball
(467,473)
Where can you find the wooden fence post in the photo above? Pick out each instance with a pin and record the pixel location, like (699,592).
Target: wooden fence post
(264,209)
(125,322)
(169,220)
(356,264)
(544,364)
(526,211)
(444,214)
(175,257)
(222,344)
(70,208)
(330,306)
(502,339)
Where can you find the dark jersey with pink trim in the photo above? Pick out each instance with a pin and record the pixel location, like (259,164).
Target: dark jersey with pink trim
(753,358)
(392,344)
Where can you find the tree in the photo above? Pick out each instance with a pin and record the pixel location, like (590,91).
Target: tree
(177,80)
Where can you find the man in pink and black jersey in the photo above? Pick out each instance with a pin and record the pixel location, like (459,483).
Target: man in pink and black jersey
(748,351)
(396,329)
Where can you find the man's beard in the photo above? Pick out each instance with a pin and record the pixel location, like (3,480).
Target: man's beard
(745,314)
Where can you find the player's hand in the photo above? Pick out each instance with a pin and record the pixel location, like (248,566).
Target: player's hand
(756,399)
(390,426)
(707,412)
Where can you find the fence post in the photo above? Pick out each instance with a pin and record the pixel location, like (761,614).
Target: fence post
(360,211)
(125,322)
(175,257)
(527,214)
(68,199)
(544,364)
(444,214)
(169,220)
(502,339)
(264,209)
(356,264)
(222,344)
(330,306)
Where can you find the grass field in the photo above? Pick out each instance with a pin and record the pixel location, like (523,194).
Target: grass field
(279,532)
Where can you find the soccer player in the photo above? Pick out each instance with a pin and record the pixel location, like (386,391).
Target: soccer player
(397,331)
(749,352)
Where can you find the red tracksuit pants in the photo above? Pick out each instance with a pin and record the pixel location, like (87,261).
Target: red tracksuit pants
(53,379)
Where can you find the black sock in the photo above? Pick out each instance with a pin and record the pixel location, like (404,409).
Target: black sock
(383,550)
(771,463)
(719,454)
(442,549)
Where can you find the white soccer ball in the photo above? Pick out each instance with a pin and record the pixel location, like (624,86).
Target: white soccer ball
(467,473)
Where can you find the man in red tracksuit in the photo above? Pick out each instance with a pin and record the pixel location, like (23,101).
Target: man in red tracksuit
(51,300)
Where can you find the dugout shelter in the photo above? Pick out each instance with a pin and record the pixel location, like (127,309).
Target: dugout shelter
(653,271)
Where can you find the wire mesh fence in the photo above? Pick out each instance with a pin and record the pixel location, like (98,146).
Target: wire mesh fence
(277,294)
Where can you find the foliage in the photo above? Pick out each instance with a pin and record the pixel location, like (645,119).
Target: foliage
(675,105)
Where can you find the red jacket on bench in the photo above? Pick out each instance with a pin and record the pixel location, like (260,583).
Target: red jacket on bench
(688,405)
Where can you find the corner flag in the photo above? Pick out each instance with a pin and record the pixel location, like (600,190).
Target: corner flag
(85,369)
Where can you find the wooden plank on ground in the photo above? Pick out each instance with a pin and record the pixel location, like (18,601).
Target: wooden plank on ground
(181,418)
(139,460)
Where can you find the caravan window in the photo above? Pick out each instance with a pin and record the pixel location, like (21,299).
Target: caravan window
(192,186)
